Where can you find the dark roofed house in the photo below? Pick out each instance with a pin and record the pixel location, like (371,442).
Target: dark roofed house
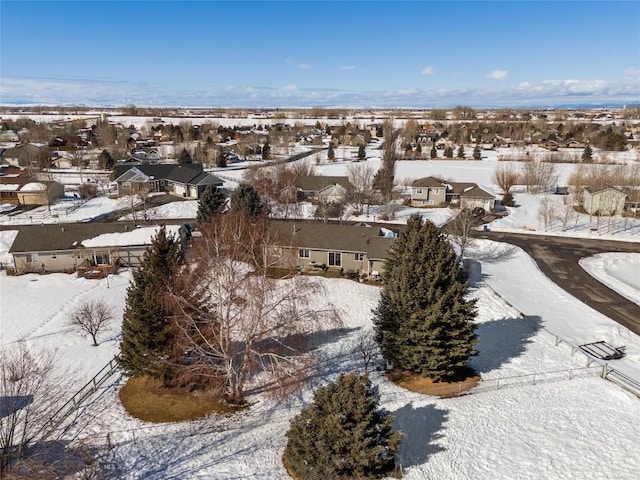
(330,188)
(188,180)
(91,249)
(433,192)
(354,248)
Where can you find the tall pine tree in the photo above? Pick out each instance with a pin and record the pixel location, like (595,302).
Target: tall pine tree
(342,434)
(212,202)
(185,157)
(146,328)
(423,322)
(246,199)
(331,154)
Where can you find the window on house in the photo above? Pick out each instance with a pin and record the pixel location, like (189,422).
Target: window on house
(335,259)
(304,253)
(33,258)
(358,257)
(102,258)
(418,190)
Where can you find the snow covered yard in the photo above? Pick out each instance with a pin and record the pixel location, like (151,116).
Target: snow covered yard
(619,271)
(555,428)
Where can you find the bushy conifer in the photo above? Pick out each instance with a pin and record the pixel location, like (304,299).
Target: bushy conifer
(342,434)
(212,202)
(423,322)
(146,327)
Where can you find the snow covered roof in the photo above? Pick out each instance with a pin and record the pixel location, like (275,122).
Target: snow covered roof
(70,236)
(34,187)
(138,236)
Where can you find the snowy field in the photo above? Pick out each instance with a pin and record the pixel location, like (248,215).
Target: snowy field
(556,427)
(618,271)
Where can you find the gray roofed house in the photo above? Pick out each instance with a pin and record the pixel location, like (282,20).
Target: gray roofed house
(433,192)
(187,180)
(313,186)
(358,248)
(63,247)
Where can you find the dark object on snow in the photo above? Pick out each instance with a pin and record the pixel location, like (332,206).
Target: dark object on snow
(603,350)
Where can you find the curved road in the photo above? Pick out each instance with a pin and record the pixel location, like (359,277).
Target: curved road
(558,259)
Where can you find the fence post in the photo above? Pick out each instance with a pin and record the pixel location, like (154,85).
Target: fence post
(605,371)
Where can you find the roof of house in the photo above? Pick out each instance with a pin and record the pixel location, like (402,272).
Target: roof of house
(594,191)
(68,236)
(187,173)
(477,192)
(316,183)
(315,235)
(430,182)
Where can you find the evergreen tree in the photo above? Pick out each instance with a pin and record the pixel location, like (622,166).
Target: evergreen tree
(185,157)
(266,152)
(211,203)
(221,160)
(342,434)
(507,200)
(331,155)
(587,154)
(460,153)
(245,198)
(146,328)
(362,154)
(434,152)
(105,160)
(448,152)
(477,155)
(419,149)
(423,322)
(327,129)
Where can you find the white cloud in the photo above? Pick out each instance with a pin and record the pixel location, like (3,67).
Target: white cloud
(304,66)
(634,72)
(498,74)
(548,93)
(347,67)
(426,71)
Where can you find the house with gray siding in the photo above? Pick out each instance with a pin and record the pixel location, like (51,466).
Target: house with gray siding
(96,248)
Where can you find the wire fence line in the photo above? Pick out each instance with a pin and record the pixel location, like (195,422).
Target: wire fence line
(619,378)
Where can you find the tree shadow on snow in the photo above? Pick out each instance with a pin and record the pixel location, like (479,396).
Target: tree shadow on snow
(422,429)
(500,341)
(492,253)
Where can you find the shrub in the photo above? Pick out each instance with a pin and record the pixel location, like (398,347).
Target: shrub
(342,434)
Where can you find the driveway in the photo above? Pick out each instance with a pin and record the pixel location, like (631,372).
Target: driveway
(558,259)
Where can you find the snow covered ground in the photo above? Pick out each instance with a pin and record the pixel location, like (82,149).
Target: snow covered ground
(618,271)
(556,427)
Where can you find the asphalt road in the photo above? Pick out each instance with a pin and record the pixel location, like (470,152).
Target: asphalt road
(558,259)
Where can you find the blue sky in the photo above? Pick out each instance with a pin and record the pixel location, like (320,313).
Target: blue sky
(418,54)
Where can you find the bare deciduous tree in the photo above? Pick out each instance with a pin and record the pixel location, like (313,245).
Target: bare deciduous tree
(360,177)
(505,176)
(461,228)
(547,212)
(91,317)
(539,176)
(368,348)
(237,321)
(31,393)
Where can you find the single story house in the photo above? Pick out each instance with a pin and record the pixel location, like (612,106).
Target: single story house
(433,192)
(20,189)
(606,201)
(326,188)
(87,248)
(354,248)
(187,180)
